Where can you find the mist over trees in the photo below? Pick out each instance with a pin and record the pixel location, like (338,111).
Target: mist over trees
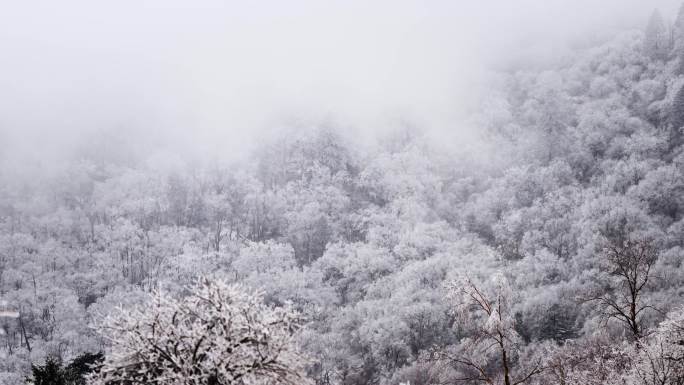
(556,259)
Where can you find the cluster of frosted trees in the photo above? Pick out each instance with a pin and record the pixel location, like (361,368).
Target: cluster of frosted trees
(555,258)
(218,334)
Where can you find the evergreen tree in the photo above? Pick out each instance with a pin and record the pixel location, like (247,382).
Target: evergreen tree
(678,29)
(53,373)
(679,54)
(678,41)
(677,118)
(656,42)
(86,363)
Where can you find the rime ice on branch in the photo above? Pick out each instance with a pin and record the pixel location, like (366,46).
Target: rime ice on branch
(218,334)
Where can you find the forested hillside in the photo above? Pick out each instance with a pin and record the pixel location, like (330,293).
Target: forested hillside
(556,258)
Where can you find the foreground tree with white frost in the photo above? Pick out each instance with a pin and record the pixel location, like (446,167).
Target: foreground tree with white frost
(218,334)
(661,356)
(630,266)
(493,349)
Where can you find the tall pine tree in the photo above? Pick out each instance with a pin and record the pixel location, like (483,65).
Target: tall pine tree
(678,29)
(678,41)
(677,118)
(656,41)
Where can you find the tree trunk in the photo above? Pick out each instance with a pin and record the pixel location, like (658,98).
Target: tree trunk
(504,359)
(23,332)
(507,377)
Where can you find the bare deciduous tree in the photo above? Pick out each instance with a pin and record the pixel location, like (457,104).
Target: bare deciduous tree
(494,343)
(629,263)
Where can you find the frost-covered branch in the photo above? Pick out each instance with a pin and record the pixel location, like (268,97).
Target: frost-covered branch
(219,334)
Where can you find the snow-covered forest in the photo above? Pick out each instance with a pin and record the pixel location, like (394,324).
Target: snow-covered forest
(552,254)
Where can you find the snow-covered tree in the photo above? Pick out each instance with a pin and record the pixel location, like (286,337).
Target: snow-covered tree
(677,118)
(218,334)
(594,360)
(488,354)
(629,264)
(660,359)
(678,31)
(656,39)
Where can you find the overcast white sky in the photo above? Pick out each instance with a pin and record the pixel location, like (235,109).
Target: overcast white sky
(206,76)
